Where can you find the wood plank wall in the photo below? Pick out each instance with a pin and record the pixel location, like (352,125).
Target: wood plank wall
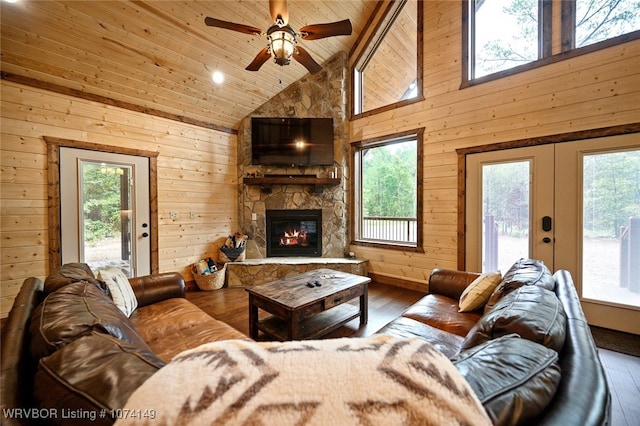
(591,91)
(196,173)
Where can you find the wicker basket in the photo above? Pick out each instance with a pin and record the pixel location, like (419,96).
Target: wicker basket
(213,281)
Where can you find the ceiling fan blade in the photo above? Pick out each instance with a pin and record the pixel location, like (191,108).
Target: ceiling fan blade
(306,60)
(259,60)
(279,12)
(247,29)
(316,31)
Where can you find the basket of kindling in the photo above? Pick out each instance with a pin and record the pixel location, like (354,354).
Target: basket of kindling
(234,247)
(208,275)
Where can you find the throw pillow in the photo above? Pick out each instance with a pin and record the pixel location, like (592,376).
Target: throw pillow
(121,291)
(478,292)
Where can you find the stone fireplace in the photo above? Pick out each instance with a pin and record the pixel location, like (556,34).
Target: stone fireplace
(293,233)
(320,95)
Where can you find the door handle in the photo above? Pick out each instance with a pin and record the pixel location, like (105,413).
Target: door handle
(546,240)
(145,235)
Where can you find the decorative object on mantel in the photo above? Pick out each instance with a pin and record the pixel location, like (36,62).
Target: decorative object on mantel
(233,249)
(208,275)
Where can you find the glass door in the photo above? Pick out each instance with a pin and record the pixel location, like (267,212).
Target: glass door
(598,203)
(505,207)
(575,206)
(105,210)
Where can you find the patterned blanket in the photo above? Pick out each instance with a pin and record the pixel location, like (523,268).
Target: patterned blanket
(380,380)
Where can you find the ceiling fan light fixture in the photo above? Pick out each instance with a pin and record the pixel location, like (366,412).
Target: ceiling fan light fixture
(282,41)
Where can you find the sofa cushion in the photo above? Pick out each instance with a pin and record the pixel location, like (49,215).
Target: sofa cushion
(523,272)
(532,312)
(121,291)
(477,293)
(515,379)
(447,343)
(442,312)
(92,373)
(174,325)
(73,311)
(70,273)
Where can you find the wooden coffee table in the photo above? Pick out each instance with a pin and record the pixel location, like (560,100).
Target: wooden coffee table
(300,312)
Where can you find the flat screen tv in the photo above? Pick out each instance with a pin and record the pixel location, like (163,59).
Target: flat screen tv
(291,141)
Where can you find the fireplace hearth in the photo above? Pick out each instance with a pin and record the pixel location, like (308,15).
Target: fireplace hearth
(292,233)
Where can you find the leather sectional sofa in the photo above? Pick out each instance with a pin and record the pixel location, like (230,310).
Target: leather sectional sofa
(67,347)
(528,353)
(530,357)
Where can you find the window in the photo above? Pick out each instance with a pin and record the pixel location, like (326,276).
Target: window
(504,34)
(389,70)
(599,20)
(387,191)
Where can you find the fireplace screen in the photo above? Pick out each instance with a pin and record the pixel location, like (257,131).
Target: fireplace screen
(294,233)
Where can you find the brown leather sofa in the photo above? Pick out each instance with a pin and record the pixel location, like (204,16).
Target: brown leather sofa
(530,357)
(528,354)
(78,355)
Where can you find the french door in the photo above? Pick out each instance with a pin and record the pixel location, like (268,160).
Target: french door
(575,206)
(104,203)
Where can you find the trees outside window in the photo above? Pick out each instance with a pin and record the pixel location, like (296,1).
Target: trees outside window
(504,34)
(387,190)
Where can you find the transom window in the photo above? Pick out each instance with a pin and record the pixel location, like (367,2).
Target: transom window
(387,191)
(506,34)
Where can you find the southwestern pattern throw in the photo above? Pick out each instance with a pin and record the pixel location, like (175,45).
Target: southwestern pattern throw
(380,380)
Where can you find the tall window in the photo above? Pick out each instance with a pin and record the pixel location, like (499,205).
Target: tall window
(504,34)
(389,70)
(388,196)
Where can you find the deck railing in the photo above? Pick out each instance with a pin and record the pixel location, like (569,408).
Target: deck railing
(396,229)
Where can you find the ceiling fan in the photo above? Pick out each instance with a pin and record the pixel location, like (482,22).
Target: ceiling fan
(283,39)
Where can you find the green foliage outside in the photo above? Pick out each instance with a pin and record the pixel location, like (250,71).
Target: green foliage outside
(505,189)
(611,186)
(390,181)
(611,194)
(102,217)
(516,40)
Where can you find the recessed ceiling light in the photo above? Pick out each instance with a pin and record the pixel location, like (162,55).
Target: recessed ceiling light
(217,77)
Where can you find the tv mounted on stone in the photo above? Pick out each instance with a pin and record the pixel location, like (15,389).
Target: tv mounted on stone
(277,141)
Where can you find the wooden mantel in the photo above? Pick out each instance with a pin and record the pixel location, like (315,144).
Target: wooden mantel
(267,181)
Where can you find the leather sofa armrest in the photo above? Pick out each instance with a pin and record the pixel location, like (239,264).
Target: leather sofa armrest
(449,282)
(154,288)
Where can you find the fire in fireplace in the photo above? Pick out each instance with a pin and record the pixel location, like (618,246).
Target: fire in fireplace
(294,233)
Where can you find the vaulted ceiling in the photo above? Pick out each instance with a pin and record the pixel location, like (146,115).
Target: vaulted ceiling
(160,54)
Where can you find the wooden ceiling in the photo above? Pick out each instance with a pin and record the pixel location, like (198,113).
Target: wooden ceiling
(160,55)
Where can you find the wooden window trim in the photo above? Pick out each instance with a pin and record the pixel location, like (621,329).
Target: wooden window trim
(380,141)
(568,7)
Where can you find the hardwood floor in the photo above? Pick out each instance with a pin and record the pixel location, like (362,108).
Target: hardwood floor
(387,302)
